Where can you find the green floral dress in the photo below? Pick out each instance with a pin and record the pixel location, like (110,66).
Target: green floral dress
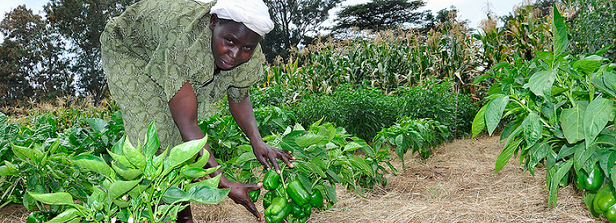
(156,46)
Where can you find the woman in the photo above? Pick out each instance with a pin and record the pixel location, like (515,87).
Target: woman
(171,60)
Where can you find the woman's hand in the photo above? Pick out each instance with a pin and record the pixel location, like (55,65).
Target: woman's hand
(265,153)
(239,194)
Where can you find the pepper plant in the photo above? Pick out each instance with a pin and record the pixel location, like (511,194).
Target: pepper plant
(558,110)
(140,186)
(419,135)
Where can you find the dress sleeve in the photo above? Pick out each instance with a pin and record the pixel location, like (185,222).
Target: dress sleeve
(246,75)
(183,56)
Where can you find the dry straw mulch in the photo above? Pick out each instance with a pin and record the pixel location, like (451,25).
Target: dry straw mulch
(456,184)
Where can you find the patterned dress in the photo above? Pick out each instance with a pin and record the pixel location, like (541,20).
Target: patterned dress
(156,46)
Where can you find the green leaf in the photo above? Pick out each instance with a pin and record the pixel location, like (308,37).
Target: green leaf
(193,172)
(59,198)
(175,194)
(559,32)
(211,182)
(532,129)
(310,139)
(26,153)
(536,154)
(556,178)
(152,144)
(245,158)
(352,146)
(8,169)
(66,216)
(511,146)
(181,153)
(330,192)
(204,194)
(318,166)
(494,112)
(126,173)
(134,155)
(97,124)
(479,123)
(359,163)
(571,121)
(119,188)
(93,163)
(596,116)
(541,82)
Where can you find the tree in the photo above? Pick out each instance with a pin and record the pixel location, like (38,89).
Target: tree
(293,21)
(379,15)
(31,62)
(82,22)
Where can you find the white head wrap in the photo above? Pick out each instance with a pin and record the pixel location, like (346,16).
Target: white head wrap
(252,13)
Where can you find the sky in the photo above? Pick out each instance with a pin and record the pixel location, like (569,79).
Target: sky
(472,10)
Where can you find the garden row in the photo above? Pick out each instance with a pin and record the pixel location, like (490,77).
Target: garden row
(558,111)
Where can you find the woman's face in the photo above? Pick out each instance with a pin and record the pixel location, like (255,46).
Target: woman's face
(232,42)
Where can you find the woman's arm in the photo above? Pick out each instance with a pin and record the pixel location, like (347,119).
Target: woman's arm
(183,107)
(244,116)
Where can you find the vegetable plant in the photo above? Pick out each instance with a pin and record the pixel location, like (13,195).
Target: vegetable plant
(139,185)
(560,112)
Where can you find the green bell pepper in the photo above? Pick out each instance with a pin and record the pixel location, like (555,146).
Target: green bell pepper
(592,181)
(254,195)
(604,199)
(278,211)
(610,214)
(271,180)
(268,198)
(298,193)
(316,199)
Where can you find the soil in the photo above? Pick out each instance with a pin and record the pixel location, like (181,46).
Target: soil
(456,184)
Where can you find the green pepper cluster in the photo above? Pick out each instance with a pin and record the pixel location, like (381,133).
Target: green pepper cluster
(291,201)
(600,198)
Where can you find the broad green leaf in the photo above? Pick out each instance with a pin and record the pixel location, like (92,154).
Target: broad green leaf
(8,169)
(596,116)
(318,166)
(559,32)
(479,123)
(352,146)
(152,144)
(606,83)
(175,194)
(26,153)
(532,128)
(546,56)
(193,172)
(181,153)
(541,82)
(211,182)
(330,192)
(245,158)
(119,188)
(66,216)
(588,64)
(572,123)
(97,124)
(310,139)
(568,150)
(120,159)
(536,154)
(207,195)
(361,164)
(556,178)
(128,173)
(494,112)
(134,155)
(93,163)
(59,198)
(511,145)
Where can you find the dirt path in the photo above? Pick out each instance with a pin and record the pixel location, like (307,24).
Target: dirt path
(456,184)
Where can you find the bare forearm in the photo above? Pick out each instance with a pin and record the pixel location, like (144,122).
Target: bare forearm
(244,116)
